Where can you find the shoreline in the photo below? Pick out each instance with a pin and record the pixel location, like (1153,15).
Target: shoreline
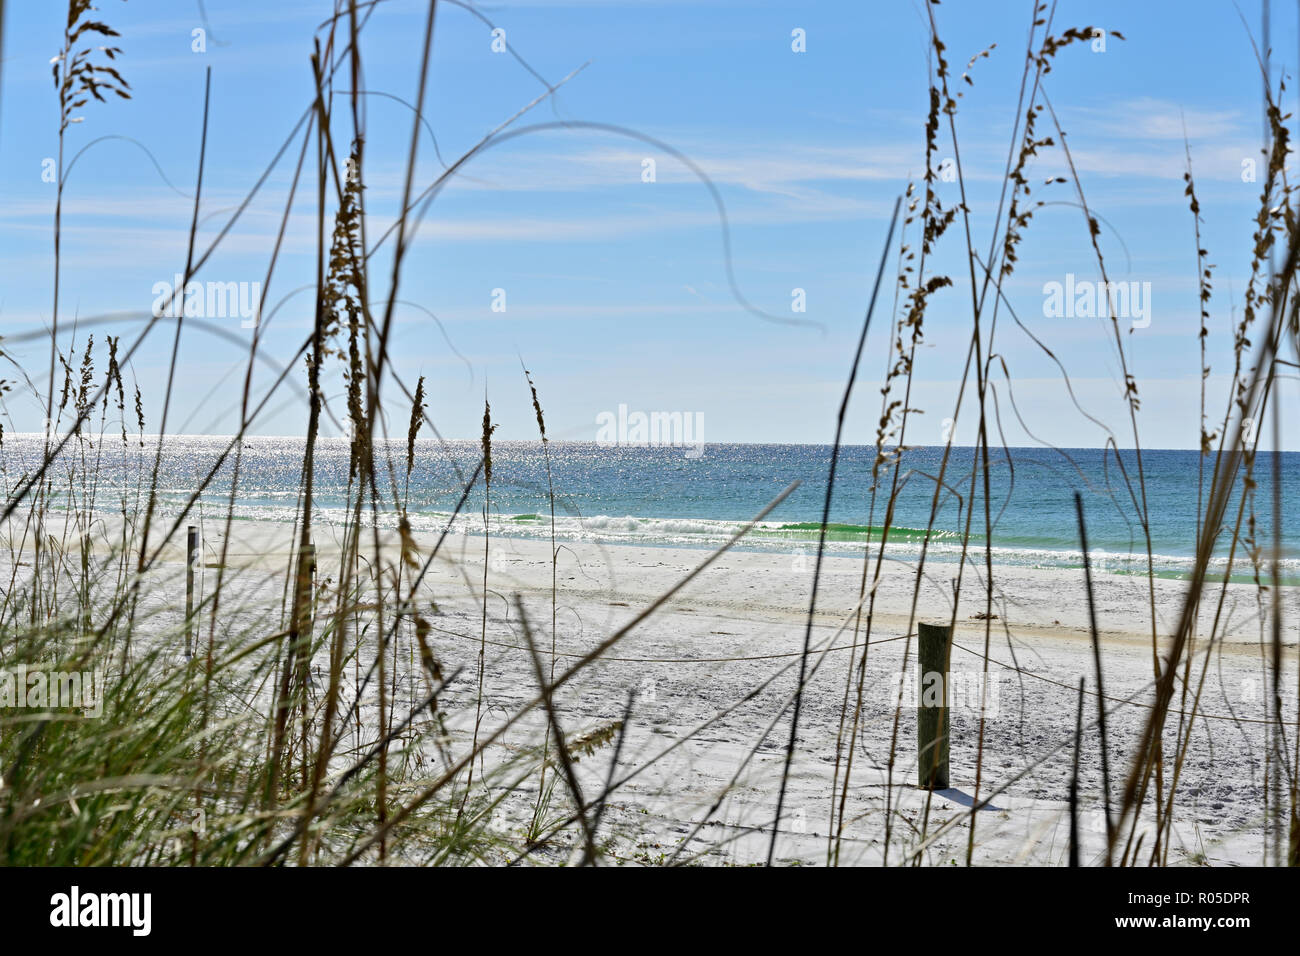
(636,574)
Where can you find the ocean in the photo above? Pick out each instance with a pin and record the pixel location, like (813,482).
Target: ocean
(662,496)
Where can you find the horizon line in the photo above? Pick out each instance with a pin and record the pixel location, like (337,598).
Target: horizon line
(591,441)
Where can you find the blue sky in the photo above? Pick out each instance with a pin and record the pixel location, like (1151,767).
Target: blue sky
(616,289)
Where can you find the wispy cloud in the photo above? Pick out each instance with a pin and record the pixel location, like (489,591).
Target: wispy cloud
(1150,118)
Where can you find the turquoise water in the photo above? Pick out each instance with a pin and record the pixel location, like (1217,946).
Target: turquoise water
(660,496)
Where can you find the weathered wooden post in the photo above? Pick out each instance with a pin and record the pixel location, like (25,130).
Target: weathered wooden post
(932,706)
(302,637)
(191,565)
(303,608)
(85,583)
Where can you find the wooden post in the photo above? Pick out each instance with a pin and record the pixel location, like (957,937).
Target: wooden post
(302,635)
(932,706)
(191,565)
(303,607)
(85,583)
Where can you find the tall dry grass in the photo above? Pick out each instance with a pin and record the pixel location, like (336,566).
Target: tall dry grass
(290,738)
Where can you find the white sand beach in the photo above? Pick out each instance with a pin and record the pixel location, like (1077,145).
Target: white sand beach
(714,669)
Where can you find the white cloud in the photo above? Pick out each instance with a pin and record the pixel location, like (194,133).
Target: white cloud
(1150,118)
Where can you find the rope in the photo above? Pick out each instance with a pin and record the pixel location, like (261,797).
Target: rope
(1121,700)
(887,640)
(674,660)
